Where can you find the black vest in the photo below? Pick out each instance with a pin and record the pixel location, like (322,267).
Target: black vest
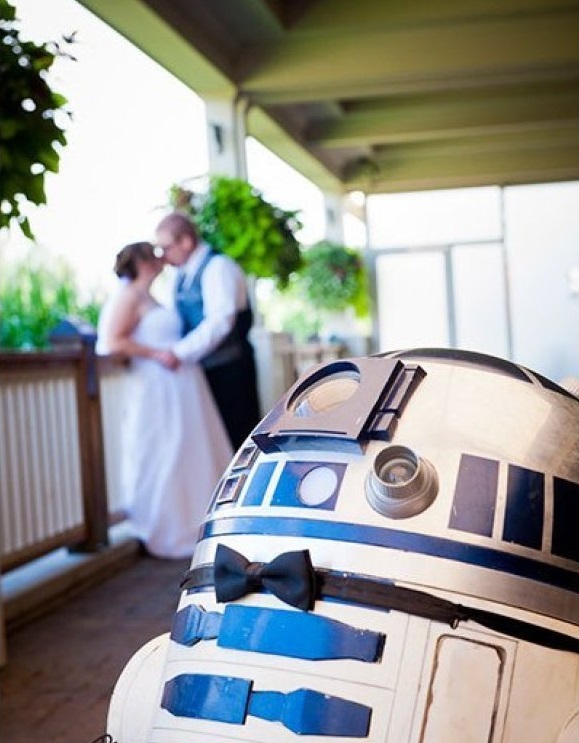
(189,303)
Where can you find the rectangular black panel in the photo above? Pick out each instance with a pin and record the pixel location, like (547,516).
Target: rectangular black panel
(565,519)
(525,509)
(473,507)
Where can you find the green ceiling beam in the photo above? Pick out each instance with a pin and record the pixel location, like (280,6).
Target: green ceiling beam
(508,159)
(150,33)
(448,115)
(338,14)
(414,59)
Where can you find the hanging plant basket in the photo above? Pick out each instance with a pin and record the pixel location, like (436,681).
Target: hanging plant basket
(333,278)
(235,219)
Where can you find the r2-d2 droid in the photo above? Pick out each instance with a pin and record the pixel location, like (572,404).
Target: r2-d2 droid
(392,557)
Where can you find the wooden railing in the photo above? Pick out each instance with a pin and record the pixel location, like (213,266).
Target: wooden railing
(60,414)
(60,441)
(53,481)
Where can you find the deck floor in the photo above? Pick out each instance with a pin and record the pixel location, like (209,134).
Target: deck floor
(62,667)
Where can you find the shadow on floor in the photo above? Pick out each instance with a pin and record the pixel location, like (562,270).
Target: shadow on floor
(62,667)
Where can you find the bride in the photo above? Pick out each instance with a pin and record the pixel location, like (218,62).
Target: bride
(175,447)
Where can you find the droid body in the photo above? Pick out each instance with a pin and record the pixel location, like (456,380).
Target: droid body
(391,557)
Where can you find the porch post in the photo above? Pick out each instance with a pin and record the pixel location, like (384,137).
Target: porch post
(93,475)
(356,204)
(226,132)
(334,212)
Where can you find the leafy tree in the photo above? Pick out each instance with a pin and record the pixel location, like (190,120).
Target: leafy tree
(29,108)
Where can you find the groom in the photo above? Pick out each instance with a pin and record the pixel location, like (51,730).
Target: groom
(211,297)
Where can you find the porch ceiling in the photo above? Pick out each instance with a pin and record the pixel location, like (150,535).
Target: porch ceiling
(382,95)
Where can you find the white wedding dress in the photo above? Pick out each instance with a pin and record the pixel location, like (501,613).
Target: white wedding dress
(175,447)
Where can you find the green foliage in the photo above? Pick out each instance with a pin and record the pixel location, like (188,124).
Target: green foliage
(33,300)
(29,134)
(333,278)
(234,218)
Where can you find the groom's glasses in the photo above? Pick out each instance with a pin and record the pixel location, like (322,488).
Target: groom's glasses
(162,250)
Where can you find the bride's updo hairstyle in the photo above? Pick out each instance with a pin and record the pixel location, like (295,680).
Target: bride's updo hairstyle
(126,261)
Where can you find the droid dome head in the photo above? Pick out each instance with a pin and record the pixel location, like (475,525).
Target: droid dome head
(460,470)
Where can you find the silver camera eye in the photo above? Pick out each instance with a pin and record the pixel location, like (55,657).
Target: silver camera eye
(401,484)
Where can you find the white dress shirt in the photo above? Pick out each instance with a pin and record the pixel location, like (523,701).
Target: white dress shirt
(224,291)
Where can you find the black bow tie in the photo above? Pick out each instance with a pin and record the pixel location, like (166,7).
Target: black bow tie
(290,576)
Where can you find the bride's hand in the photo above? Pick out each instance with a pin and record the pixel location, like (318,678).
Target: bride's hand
(167,359)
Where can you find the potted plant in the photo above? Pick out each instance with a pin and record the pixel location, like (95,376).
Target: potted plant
(234,218)
(333,280)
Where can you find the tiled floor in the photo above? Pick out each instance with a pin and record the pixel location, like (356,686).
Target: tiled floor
(62,668)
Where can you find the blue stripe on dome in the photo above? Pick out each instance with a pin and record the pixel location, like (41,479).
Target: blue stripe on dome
(363,534)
